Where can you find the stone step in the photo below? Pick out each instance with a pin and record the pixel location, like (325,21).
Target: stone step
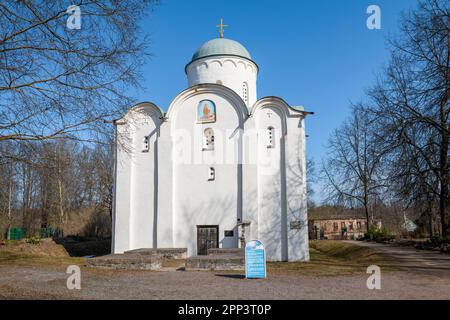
(127,261)
(166,253)
(217,251)
(216,262)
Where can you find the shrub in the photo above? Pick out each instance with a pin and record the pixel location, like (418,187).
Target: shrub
(436,241)
(377,234)
(33,240)
(99,225)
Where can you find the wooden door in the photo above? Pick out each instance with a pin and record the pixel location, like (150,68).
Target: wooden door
(207,237)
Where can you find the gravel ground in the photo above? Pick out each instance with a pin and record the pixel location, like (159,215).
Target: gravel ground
(423,275)
(411,260)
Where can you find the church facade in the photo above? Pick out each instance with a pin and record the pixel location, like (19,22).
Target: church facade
(220,167)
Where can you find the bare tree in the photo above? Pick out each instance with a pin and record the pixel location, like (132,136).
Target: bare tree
(60,82)
(351,173)
(8,188)
(399,146)
(311,178)
(412,109)
(58,180)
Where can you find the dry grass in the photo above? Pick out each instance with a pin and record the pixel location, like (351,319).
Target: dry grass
(46,253)
(44,247)
(26,259)
(330,258)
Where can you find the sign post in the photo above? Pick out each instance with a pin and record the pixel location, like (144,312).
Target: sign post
(255,260)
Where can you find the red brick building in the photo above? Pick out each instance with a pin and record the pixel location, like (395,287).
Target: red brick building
(337,223)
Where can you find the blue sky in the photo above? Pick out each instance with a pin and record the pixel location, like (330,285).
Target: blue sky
(316,53)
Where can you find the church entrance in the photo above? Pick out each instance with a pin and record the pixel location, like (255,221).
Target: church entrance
(207,238)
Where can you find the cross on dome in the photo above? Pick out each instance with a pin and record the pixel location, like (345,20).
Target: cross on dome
(221,26)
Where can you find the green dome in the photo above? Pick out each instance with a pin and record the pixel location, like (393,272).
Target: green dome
(221,46)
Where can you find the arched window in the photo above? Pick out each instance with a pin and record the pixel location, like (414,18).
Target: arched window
(270,137)
(245,92)
(208,139)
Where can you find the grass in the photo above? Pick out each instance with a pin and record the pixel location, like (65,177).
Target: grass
(331,258)
(45,253)
(8,257)
(327,258)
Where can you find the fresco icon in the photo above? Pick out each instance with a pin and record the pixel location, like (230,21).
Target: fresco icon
(206,111)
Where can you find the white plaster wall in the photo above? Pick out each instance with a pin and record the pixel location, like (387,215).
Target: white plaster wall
(165,183)
(122,199)
(136,206)
(231,71)
(163,195)
(271,185)
(144,183)
(250,181)
(197,201)
(298,246)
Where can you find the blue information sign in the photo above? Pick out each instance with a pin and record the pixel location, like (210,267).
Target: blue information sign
(255,260)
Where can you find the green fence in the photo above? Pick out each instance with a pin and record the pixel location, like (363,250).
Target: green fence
(20,233)
(51,233)
(15,233)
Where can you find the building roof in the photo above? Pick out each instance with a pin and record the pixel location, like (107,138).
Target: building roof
(221,46)
(298,108)
(335,213)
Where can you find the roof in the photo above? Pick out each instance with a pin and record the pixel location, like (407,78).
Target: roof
(221,46)
(334,213)
(298,108)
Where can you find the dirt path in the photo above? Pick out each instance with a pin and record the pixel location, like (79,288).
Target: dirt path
(412,260)
(33,283)
(422,275)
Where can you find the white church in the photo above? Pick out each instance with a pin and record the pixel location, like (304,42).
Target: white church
(220,167)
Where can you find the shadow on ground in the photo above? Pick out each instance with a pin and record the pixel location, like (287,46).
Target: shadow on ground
(232,276)
(82,247)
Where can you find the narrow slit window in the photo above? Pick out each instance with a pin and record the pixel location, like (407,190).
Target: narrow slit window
(245,92)
(211,174)
(146,144)
(208,139)
(270,137)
